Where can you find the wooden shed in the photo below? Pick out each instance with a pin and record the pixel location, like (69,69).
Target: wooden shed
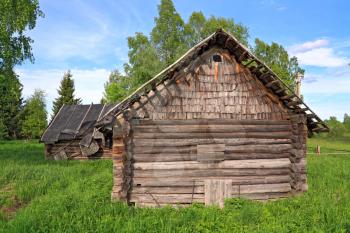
(71,133)
(217,123)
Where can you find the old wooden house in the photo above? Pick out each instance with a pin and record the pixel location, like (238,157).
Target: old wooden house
(71,133)
(217,123)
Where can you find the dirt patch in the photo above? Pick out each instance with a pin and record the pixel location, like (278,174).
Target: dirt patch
(10,202)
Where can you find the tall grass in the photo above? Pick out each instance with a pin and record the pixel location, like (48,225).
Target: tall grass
(73,196)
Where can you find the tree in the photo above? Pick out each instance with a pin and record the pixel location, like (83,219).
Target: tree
(199,27)
(337,129)
(277,58)
(16,17)
(116,88)
(35,115)
(168,33)
(66,93)
(346,122)
(10,105)
(144,61)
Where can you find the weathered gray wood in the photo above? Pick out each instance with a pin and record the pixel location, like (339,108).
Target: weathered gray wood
(173,157)
(210,152)
(167,198)
(215,191)
(199,180)
(210,128)
(227,164)
(211,172)
(214,122)
(266,135)
(201,141)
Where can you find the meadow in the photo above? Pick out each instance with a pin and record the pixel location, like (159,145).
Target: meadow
(74,196)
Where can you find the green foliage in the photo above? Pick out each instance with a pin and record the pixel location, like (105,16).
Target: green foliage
(144,61)
(277,58)
(346,122)
(115,88)
(10,105)
(199,27)
(168,40)
(168,33)
(16,17)
(337,128)
(66,93)
(74,196)
(35,115)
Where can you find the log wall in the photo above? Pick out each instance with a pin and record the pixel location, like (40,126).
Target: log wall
(216,128)
(71,150)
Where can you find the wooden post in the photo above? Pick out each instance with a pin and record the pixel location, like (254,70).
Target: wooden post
(298,84)
(318,150)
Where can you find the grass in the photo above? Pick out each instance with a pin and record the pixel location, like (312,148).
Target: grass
(73,196)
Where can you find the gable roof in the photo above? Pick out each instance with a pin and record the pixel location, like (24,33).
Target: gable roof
(73,121)
(243,56)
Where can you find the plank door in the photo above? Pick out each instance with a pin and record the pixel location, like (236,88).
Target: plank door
(215,191)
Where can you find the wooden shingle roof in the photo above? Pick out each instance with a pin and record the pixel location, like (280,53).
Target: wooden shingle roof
(243,56)
(73,121)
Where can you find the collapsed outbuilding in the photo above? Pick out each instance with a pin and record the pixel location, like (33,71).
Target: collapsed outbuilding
(71,133)
(217,123)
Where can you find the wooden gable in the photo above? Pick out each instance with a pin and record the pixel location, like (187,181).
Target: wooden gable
(216,86)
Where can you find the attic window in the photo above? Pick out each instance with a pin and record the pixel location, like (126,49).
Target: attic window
(217,58)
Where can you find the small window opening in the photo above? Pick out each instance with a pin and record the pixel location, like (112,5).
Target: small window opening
(109,140)
(138,185)
(217,58)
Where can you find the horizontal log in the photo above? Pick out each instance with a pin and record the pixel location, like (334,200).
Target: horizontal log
(211,121)
(274,148)
(196,141)
(167,198)
(205,172)
(165,190)
(236,189)
(183,135)
(197,181)
(266,196)
(173,157)
(227,164)
(209,128)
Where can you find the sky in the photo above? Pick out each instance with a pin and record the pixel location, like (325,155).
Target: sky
(89,37)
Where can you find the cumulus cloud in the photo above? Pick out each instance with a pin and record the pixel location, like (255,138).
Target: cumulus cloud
(318,53)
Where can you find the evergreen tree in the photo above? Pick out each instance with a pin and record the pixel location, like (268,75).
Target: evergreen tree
(277,58)
(10,105)
(66,93)
(35,116)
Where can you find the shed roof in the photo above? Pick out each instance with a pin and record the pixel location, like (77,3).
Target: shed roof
(73,121)
(243,56)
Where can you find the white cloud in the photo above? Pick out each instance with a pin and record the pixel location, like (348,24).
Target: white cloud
(89,84)
(318,53)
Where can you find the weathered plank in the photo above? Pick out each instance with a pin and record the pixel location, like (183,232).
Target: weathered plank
(199,180)
(209,128)
(166,198)
(211,172)
(227,164)
(213,121)
(215,191)
(184,135)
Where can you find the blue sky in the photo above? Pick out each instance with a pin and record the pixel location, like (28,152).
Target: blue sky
(89,38)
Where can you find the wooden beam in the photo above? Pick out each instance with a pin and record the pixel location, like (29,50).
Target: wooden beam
(271,83)
(280,90)
(286,97)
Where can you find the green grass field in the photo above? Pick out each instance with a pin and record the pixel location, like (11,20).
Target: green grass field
(73,196)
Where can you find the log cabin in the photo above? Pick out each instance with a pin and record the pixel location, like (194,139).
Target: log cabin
(215,124)
(71,134)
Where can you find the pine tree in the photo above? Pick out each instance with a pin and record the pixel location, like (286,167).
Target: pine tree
(10,105)
(35,115)
(66,93)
